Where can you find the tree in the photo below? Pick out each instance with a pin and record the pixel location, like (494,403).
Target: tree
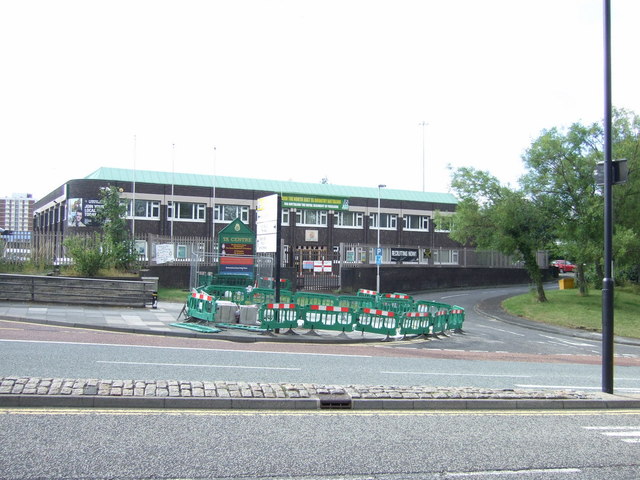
(493,216)
(560,167)
(117,238)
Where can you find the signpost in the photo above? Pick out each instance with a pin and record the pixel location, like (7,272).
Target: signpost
(236,244)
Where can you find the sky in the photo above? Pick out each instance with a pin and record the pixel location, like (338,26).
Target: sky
(360,92)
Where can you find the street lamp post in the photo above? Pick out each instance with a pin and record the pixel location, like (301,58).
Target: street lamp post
(378,259)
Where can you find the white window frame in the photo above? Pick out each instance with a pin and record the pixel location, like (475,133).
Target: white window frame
(389,217)
(422,220)
(241,212)
(152,209)
(445,256)
(303,218)
(198,211)
(285,214)
(357,220)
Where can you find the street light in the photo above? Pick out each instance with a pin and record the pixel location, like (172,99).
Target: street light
(378,252)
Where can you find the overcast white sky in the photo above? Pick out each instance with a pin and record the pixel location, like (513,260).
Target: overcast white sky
(299,89)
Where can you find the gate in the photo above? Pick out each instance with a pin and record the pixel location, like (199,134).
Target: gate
(317,269)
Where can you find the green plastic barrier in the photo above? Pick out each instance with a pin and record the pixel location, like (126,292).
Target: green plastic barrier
(398,302)
(232,280)
(258,296)
(229,293)
(205,278)
(367,293)
(355,302)
(278,315)
(312,298)
(328,317)
(456,318)
(377,321)
(202,306)
(415,323)
(269,282)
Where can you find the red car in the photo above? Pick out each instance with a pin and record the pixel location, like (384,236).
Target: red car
(563,266)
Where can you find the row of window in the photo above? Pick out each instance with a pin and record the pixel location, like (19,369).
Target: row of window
(150,209)
(188,211)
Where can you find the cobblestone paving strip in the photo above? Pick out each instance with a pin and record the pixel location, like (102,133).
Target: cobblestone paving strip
(222,389)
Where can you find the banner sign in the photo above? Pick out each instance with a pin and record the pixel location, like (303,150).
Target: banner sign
(404,254)
(314,202)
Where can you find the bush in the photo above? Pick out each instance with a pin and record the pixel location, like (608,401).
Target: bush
(87,254)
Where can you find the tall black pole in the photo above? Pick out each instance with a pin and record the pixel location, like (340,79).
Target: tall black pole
(278,256)
(607,283)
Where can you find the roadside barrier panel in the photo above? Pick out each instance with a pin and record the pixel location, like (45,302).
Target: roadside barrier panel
(269,282)
(440,319)
(456,318)
(367,293)
(328,317)
(312,298)
(232,280)
(355,302)
(227,292)
(202,306)
(196,327)
(399,303)
(278,315)
(415,323)
(258,296)
(377,321)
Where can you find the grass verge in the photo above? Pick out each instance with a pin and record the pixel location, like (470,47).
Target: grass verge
(566,308)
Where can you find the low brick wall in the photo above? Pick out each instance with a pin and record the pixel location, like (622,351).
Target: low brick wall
(74,290)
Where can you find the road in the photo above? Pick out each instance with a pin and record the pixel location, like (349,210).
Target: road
(322,445)
(489,353)
(123,444)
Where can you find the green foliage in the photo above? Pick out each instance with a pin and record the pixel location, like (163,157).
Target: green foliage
(114,248)
(117,244)
(496,217)
(88,256)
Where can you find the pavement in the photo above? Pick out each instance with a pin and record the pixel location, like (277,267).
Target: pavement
(174,394)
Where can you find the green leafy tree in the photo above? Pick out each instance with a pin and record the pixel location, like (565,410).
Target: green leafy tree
(118,243)
(492,216)
(560,167)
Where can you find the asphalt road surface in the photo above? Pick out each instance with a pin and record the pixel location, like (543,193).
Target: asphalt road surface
(126,444)
(490,353)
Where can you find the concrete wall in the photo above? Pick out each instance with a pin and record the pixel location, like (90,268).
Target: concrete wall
(411,279)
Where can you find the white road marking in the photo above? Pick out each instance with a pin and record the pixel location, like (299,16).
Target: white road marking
(567,342)
(187,348)
(449,374)
(196,365)
(573,387)
(506,331)
(496,473)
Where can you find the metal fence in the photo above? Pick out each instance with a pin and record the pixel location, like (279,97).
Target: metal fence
(319,267)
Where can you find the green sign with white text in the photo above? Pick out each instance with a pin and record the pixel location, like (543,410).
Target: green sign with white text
(298,200)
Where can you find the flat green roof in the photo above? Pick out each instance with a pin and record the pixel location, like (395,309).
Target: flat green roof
(276,186)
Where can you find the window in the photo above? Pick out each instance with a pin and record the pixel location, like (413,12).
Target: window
(316,218)
(284,217)
(445,257)
(443,223)
(416,222)
(228,213)
(144,209)
(348,219)
(186,211)
(388,221)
